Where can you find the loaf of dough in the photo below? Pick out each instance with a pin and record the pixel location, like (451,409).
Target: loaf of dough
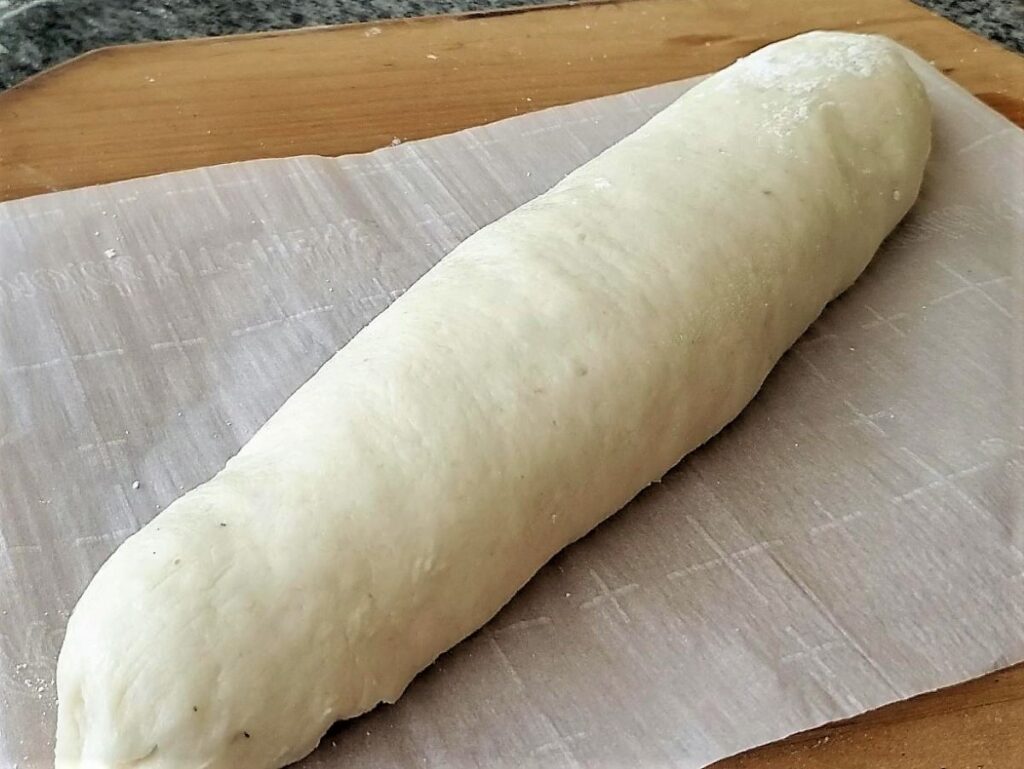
(544,372)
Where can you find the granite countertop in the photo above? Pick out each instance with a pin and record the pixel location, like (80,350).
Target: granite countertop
(36,34)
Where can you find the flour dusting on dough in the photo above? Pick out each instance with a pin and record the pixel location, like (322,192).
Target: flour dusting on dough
(813,68)
(800,77)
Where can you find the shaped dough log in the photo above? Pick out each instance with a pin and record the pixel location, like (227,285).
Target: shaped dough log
(544,372)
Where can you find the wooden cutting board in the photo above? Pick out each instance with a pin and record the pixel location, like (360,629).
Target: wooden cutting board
(137,110)
(122,112)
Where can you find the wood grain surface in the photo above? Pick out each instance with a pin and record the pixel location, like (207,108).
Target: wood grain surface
(137,110)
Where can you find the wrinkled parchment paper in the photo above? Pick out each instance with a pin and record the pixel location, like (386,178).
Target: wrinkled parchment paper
(854,538)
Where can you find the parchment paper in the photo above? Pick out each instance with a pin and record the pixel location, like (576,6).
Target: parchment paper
(854,538)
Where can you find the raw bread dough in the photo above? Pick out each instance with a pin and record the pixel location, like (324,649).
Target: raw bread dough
(548,369)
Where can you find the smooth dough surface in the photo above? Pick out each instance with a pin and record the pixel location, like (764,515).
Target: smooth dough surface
(544,372)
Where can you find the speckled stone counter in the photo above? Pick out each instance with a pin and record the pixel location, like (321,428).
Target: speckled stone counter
(36,34)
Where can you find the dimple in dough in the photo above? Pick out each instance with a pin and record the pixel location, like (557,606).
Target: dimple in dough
(544,372)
